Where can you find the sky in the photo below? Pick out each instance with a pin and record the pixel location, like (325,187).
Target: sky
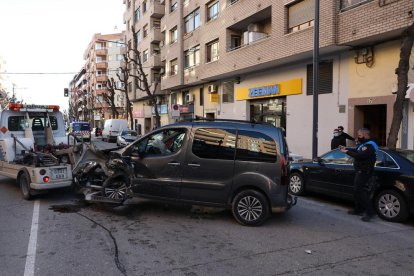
(50,37)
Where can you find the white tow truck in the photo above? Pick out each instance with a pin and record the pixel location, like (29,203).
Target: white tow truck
(34,148)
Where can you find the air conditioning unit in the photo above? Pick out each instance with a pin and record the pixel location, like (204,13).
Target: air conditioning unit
(190,98)
(161,44)
(162,71)
(159,100)
(212,88)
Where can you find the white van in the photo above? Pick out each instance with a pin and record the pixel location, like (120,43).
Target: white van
(112,127)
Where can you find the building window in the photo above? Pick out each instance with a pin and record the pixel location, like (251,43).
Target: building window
(213,10)
(144,6)
(174,5)
(325,78)
(174,98)
(138,37)
(301,15)
(145,30)
(192,21)
(137,15)
(352,3)
(233,2)
(173,67)
(186,97)
(201,96)
(235,42)
(156,24)
(192,57)
(228,92)
(145,55)
(173,35)
(213,51)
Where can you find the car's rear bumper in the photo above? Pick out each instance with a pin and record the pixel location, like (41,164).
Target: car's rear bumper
(291,200)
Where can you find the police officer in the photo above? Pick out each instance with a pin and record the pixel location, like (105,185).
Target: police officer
(364,161)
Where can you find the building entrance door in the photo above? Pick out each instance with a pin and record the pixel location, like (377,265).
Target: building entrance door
(271,110)
(374,118)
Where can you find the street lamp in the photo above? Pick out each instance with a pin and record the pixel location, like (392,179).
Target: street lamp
(315,81)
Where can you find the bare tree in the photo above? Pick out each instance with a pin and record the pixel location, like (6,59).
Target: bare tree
(134,61)
(402,76)
(123,77)
(110,97)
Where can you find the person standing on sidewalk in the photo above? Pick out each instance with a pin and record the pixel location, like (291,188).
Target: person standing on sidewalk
(364,161)
(343,136)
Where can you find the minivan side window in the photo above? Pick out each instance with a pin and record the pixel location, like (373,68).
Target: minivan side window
(161,143)
(214,143)
(255,146)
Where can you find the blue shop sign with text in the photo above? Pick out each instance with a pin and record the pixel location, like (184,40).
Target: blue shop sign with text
(264,91)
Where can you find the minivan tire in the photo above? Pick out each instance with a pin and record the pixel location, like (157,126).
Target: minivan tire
(250,208)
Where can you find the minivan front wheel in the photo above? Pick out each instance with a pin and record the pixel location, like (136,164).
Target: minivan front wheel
(250,208)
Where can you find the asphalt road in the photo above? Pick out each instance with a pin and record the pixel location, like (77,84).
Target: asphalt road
(69,237)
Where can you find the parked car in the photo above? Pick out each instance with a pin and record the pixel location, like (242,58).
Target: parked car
(333,174)
(111,129)
(225,163)
(126,137)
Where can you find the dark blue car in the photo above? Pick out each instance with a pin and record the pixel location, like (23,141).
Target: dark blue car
(333,173)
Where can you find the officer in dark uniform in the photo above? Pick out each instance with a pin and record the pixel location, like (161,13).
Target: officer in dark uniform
(364,161)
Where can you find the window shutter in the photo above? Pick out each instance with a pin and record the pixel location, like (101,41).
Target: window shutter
(325,78)
(301,12)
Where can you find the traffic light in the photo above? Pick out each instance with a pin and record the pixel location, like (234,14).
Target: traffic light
(66,92)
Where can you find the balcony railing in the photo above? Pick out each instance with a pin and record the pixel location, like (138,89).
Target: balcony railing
(247,44)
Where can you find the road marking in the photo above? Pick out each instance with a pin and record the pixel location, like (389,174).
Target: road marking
(31,250)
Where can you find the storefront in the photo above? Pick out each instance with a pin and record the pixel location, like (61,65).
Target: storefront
(267,102)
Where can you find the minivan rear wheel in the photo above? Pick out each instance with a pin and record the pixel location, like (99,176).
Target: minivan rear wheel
(250,208)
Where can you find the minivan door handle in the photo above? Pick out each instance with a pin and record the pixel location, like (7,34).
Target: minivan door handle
(193,165)
(174,164)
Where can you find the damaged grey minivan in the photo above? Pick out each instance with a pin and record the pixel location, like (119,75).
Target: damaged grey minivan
(238,165)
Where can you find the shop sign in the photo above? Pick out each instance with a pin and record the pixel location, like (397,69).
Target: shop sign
(162,109)
(269,90)
(264,91)
(97,117)
(214,98)
(175,110)
(138,114)
(186,108)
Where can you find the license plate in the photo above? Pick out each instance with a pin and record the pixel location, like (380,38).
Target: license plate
(60,173)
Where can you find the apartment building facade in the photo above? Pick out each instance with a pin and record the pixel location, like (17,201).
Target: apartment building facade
(145,17)
(252,60)
(103,58)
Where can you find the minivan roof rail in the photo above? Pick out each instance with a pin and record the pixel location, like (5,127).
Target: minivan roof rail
(197,119)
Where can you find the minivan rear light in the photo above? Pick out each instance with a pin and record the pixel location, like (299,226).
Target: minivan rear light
(283,163)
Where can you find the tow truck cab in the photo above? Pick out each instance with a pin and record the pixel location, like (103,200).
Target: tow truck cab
(33,147)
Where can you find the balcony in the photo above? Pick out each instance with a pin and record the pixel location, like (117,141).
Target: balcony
(155,35)
(155,61)
(102,78)
(102,65)
(102,52)
(250,30)
(157,9)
